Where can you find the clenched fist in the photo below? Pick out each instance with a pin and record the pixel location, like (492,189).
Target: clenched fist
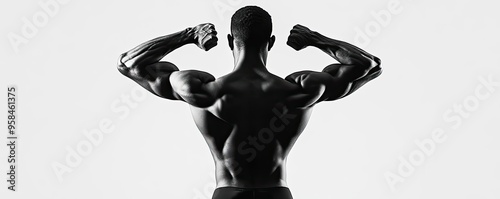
(300,37)
(205,36)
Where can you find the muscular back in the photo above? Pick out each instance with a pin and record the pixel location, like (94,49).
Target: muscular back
(251,128)
(249,118)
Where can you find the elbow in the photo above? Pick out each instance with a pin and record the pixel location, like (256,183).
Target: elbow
(122,68)
(377,61)
(378,66)
(375,69)
(373,62)
(375,66)
(367,63)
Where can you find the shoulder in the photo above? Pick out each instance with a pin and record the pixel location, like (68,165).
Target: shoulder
(190,75)
(282,83)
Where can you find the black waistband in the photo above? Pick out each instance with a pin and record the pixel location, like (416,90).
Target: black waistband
(251,188)
(252,193)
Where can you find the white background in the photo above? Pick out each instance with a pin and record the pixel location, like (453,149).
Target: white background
(433,55)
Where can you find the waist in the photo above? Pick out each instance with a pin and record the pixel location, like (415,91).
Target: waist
(251,184)
(245,177)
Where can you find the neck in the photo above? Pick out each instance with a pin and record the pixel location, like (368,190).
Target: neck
(248,58)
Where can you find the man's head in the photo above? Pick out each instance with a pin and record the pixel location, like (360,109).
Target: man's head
(251,26)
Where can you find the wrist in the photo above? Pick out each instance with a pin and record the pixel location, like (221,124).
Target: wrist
(189,35)
(316,39)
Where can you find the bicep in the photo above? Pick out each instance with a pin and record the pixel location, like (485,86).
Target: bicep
(334,82)
(345,79)
(194,87)
(311,87)
(318,86)
(153,77)
(356,84)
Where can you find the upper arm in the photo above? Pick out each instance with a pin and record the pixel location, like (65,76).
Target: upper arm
(153,77)
(348,78)
(334,82)
(356,84)
(165,80)
(314,87)
(194,87)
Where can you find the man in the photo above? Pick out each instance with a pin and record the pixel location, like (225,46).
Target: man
(249,118)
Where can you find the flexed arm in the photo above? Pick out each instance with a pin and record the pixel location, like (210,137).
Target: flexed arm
(336,81)
(142,64)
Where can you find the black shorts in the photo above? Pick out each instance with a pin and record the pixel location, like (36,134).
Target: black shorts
(252,193)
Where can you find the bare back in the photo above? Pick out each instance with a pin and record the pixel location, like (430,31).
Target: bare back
(250,128)
(249,118)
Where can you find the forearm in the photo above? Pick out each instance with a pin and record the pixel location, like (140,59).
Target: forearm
(154,50)
(344,52)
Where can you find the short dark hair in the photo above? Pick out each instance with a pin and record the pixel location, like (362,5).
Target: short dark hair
(251,24)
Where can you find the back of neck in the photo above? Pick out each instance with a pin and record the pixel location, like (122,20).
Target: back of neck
(249,59)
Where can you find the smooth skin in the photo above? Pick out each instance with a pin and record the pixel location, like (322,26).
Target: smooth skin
(250,118)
